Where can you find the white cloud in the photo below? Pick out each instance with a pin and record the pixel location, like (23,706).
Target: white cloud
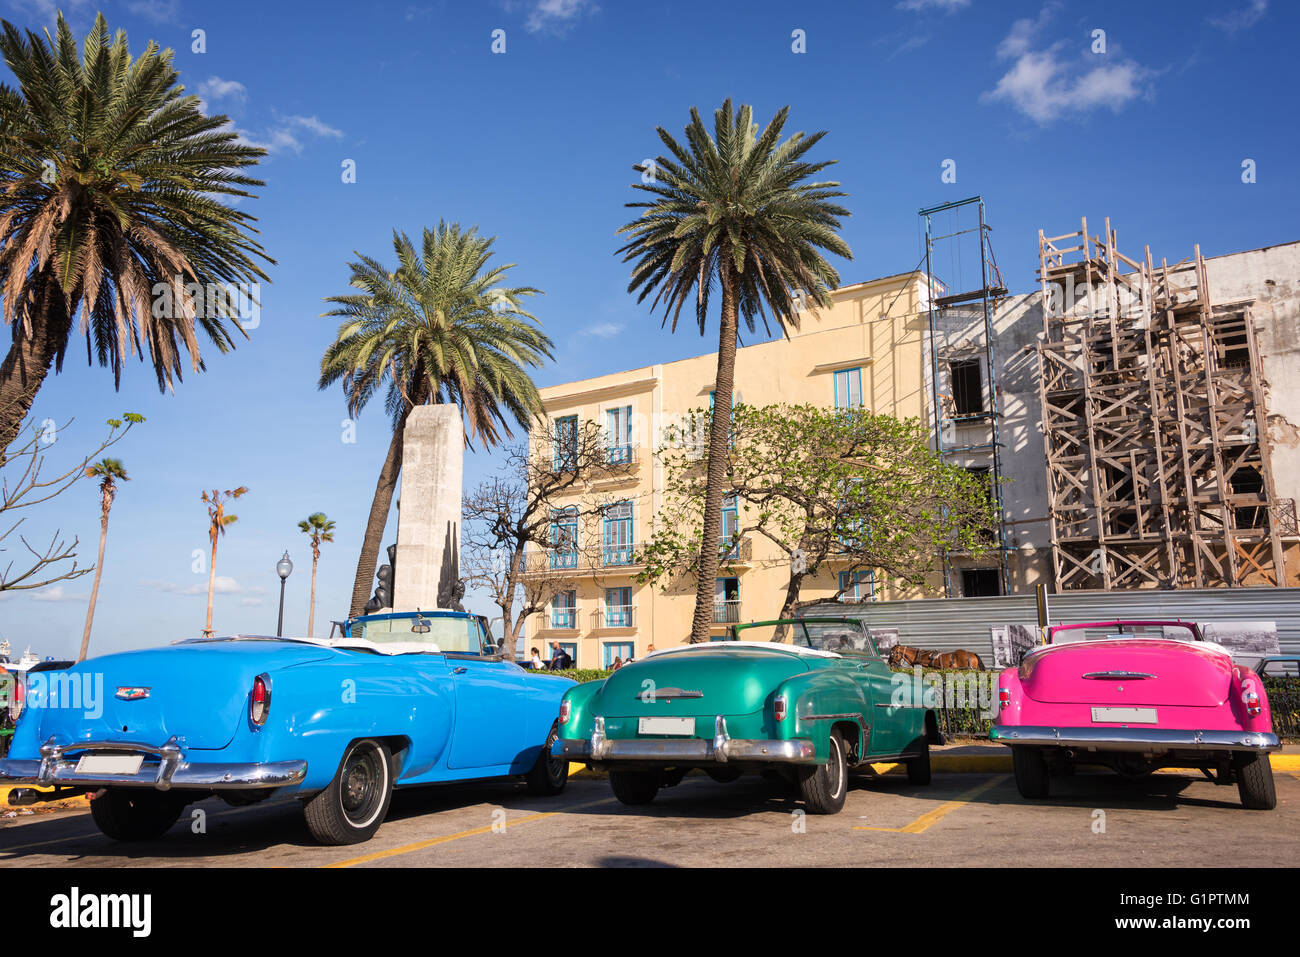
(251,602)
(288,134)
(604,330)
(160,11)
(214,89)
(947,6)
(1242,19)
(556,15)
(221,585)
(56,593)
(1045,86)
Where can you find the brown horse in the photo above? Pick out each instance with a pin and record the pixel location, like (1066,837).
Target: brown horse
(962,660)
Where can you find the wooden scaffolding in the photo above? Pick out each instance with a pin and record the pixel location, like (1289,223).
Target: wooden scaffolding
(1158,471)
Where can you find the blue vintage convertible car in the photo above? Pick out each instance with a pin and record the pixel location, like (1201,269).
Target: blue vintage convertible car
(395,700)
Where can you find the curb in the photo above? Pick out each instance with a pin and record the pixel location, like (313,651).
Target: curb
(979,764)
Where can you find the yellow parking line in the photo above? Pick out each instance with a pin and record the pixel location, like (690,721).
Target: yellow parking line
(434,841)
(930,818)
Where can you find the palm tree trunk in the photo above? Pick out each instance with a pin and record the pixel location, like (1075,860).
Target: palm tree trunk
(719,449)
(374,537)
(30,359)
(94,588)
(311,610)
(212,578)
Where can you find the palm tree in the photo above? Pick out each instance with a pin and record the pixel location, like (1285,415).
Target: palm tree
(320,529)
(109,472)
(217,522)
(112,184)
(732,209)
(442,327)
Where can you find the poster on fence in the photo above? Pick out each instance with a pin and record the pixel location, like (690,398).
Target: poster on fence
(1243,637)
(885,639)
(1010,642)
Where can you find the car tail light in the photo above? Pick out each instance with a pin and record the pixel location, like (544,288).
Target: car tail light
(1004,697)
(1251,701)
(259,702)
(565,711)
(779,707)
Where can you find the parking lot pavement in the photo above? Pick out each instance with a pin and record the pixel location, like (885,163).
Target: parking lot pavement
(975,819)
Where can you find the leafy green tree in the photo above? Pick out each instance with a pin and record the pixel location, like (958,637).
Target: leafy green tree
(318,527)
(833,489)
(733,210)
(441,327)
(113,202)
(109,472)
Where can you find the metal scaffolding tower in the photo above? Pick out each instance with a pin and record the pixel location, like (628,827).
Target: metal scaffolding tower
(1158,473)
(963,366)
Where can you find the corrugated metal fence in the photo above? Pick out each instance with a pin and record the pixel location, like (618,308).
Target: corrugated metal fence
(945,624)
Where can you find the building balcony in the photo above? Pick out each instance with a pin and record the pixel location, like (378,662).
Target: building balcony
(726,612)
(618,559)
(615,618)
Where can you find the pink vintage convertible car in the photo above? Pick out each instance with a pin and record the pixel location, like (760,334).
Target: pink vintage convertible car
(1136,696)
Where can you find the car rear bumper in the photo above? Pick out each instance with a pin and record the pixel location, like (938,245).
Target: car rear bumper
(1146,740)
(722,749)
(172,769)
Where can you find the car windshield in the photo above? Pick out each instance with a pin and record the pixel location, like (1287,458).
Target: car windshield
(841,637)
(447,634)
(1103,631)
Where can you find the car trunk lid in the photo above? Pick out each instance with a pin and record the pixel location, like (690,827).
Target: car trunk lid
(1131,671)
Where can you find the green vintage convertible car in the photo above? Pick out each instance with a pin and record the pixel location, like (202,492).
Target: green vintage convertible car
(809,702)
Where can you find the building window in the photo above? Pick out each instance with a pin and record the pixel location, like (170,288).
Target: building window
(618,434)
(566,443)
(618,607)
(729,527)
(616,543)
(564,537)
(726,601)
(564,610)
(617,649)
(980,582)
(967,387)
(854,586)
(848,389)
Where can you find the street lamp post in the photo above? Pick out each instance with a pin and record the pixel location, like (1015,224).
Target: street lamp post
(283,568)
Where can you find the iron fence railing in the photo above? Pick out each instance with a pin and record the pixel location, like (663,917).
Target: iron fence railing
(616,616)
(726,612)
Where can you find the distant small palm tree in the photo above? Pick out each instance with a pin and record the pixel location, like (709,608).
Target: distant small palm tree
(109,472)
(320,529)
(217,522)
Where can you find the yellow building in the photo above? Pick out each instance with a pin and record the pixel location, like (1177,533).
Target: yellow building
(866,349)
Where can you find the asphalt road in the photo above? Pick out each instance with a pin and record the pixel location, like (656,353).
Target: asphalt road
(1166,819)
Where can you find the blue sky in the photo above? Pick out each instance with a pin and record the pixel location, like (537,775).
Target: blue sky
(536,146)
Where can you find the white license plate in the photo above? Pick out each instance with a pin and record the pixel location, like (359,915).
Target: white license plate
(683,726)
(1125,715)
(109,763)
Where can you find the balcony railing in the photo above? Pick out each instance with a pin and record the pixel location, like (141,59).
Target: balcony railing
(726,612)
(614,556)
(620,454)
(616,616)
(741,550)
(564,618)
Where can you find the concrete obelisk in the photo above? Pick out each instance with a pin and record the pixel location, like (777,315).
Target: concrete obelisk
(428,516)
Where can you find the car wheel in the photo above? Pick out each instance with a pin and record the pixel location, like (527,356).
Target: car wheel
(549,774)
(672,777)
(1255,783)
(1031,771)
(918,768)
(634,787)
(824,786)
(128,814)
(351,809)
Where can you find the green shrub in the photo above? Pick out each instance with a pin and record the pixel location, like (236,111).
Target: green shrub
(579,674)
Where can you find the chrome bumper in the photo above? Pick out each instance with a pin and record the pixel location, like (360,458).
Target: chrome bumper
(1146,740)
(173,770)
(720,750)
